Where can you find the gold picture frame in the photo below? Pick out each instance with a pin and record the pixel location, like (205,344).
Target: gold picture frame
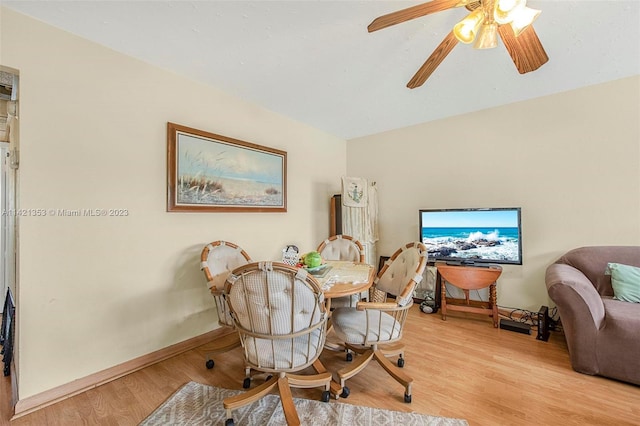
(207,172)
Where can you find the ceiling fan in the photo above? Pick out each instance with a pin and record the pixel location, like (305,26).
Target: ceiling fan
(487,18)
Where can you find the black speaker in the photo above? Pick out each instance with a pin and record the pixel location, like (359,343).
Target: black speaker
(544,323)
(518,327)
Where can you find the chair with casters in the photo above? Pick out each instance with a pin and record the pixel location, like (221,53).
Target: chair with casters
(373,329)
(343,247)
(217,261)
(279,313)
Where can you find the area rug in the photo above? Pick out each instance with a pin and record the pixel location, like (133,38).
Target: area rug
(198,404)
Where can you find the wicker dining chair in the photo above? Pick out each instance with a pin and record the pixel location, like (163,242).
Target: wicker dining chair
(343,247)
(279,313)
(217,261)
(373,329)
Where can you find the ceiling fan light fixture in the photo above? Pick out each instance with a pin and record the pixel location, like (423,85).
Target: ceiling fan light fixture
(505,10)
(526,51)
(487,37)
(466,30)
(523,19)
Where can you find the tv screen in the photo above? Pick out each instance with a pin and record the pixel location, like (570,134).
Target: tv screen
(468,236)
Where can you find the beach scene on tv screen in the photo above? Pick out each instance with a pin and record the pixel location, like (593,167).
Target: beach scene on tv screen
(485,235)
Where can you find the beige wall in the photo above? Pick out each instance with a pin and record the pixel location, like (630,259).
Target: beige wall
(96,292)
(571,161)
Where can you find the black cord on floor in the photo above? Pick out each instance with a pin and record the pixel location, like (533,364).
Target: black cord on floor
(531,318)
(521,315)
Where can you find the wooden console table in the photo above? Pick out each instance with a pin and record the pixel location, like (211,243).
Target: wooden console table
(469,278)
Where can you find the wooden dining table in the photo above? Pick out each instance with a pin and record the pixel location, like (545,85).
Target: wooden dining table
(342,278)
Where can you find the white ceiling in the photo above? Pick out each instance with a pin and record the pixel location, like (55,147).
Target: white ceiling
(314,60)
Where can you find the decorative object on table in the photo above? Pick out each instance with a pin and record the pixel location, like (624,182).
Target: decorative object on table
(373,328)
(311,260)
(320,271)
(203,173)
(314,264)
(511,19)
(290,255)
(217,260)
(197,404)
(343,247)
(279,312)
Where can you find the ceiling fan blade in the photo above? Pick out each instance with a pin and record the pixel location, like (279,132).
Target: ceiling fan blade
(412,12)
(526,50)
(432,62)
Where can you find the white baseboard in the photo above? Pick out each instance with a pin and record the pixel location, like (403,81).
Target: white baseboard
(59,393)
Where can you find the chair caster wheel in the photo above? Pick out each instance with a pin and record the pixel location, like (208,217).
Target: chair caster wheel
(345,392)
(210,364)
(349,357)
(407,398)
(401,362)
(228,422)
(326,395)
(246,383)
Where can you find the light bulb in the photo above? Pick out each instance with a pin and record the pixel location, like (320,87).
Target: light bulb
(523,19)
(466,30)
(505,10)
(487,37)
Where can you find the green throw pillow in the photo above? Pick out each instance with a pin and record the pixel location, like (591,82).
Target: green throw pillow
(625,280)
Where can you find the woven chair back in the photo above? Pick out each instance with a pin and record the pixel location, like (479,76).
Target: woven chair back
(217,261)
(279,313)
(342,247)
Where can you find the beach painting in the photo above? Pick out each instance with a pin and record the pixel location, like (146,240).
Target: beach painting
(209,172)
(483,235)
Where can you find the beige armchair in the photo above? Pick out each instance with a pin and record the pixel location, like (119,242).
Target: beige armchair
(343,247)
(371,329)
(279,313)
(217,261)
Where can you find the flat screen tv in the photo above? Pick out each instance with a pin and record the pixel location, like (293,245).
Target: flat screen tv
(470,236)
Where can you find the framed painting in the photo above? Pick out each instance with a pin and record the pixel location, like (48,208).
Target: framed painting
(213,173)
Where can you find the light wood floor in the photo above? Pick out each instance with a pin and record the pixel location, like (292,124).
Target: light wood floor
(462,368)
